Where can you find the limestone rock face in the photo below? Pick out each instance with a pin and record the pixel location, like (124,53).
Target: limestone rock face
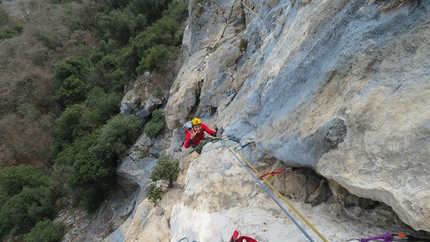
(220,196)
(338,86)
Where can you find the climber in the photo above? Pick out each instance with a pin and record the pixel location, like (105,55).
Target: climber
(195,135)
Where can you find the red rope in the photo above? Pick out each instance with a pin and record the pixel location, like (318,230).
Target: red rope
(272,173)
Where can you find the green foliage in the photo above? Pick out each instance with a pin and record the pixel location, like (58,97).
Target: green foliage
(109,71)
(128,58)
(4,17)
(167,170)
(14,179)
(7,28)
(117,24)
(101,106)
(152,9)
(243,44)
(114,4)
(21,212)
(141,23)
(78,156)
(155,58)
(103,48)
(28,110)
(88,175)
(45,231)
(73,66)
(94,157)
(157,123)
(164,31)
(73,90)
(26,198)
(153,47)
(68,127)
(178,11)
(158,92)
(116,135)
(155,194)
(8,33)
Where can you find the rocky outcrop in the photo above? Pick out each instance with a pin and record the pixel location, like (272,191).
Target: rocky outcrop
(337,86)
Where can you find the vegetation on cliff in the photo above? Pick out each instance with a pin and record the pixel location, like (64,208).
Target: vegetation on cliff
(64,68)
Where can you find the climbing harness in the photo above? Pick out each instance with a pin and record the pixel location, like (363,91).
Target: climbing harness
(199,147)
(271,174)
(277,192)
(392,237)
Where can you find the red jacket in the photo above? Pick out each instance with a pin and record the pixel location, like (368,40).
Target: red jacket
(199,136)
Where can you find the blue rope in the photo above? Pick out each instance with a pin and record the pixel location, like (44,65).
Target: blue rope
(270,194)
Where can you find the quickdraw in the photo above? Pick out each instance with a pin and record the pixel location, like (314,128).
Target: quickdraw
(271,174)
(241,148)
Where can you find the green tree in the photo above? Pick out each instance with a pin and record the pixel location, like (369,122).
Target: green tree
(157,123)
(45,231)
(152,9)
(14,179)
(164,31)
(119,132)
(155,194)
(22,211)
(68,127)
(72,66)
(25,197)
(72,90)
(178,11)
(166,169)
(88,176)
(101,106)
(117,24)
(155,58)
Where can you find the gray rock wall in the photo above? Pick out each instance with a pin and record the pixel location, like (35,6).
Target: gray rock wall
(338,86)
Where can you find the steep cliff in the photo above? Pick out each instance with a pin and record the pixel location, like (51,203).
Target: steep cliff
(336,90)
(338,86)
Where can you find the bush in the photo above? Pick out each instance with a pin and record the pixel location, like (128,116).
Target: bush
(73,66)
(21,212)
(167,170)
(26,197)
(14,179)
(178,11)
(155,194)
(68,127)
(152,9)
(72,90)
(101,106)
(157,123)
(45,231)
(155,58)
(164,31)
(119,132)
(117,24)
(8,33)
